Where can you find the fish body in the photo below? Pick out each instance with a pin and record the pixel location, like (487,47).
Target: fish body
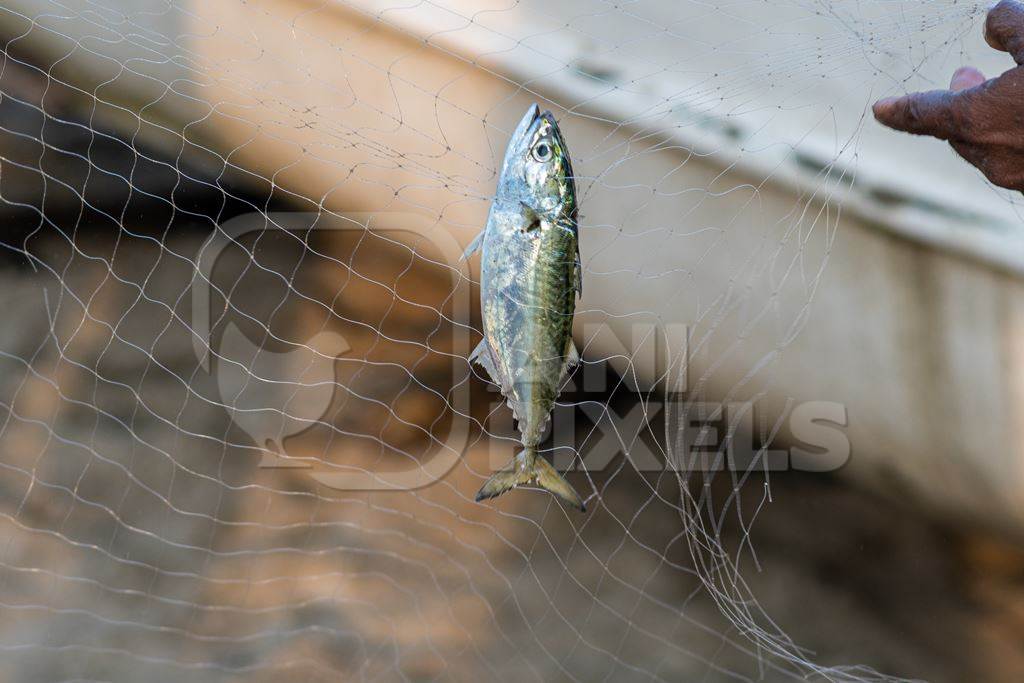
(529,280)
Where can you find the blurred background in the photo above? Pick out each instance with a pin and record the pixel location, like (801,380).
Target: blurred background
(240,434)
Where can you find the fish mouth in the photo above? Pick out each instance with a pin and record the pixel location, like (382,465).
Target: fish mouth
(531,122)
(528,129)
(534,115)
(525,126)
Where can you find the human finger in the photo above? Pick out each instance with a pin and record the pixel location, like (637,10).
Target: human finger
(923,113)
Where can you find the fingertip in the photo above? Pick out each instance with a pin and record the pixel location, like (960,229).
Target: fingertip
(883,105)
(920,113)
(966,77)
(883,109)
(1003,27)
(987,34)
(1005,9)
(967,70)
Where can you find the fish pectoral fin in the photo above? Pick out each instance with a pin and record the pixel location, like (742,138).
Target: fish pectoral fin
(529,469)
(474,246)
(531,220)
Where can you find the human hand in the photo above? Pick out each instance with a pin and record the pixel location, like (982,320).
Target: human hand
(983,120)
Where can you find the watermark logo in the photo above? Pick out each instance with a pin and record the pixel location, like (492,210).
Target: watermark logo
(276,388)
(275,394)
(704,436)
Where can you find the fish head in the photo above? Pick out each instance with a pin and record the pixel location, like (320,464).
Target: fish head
(537,171)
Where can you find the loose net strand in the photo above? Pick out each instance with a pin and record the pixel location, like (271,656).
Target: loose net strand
(204,485)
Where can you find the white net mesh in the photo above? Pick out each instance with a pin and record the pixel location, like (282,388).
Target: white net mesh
(240,432)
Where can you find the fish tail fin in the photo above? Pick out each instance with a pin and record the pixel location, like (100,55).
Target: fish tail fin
(528,468)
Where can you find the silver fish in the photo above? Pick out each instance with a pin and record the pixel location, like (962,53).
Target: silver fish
(530,277)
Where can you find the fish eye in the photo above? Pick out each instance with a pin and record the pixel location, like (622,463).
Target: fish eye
(542,152)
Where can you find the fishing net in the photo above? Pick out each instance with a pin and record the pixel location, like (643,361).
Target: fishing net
(240,433)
